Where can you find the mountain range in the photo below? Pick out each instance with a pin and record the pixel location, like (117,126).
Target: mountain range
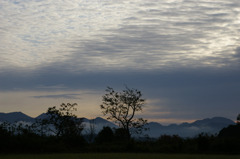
(209,125)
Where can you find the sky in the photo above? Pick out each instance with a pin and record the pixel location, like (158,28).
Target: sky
(183,55)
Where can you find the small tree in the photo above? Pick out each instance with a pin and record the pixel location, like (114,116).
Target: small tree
(121,107)
(105,135)
(238,119)
(62,121)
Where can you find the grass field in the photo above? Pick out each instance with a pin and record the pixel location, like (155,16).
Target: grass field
(118,156)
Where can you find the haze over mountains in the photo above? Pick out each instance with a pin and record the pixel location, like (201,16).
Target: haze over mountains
(209,125)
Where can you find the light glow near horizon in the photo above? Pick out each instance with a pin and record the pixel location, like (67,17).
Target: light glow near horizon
(176,52)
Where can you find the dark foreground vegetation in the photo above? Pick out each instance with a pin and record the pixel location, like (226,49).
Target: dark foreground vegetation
(117,156)
(25,141)
(60,131)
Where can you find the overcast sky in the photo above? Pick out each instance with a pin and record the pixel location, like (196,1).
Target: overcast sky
(184,55)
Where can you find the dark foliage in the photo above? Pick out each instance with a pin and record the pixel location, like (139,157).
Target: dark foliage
(120,135)
(105,135)
(59,132)
(24,140)
(167,143)
(232,131)
(121,108)
(229,139)
(62,122)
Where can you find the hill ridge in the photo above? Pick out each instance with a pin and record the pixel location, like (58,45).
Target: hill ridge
(208,125)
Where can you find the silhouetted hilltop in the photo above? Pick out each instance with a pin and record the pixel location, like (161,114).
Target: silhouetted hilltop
(42,116)
(209,125)
(15,117)
(213,122)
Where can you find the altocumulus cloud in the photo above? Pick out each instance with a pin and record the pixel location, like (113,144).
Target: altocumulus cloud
(183,54)
(103,34)
(38,32)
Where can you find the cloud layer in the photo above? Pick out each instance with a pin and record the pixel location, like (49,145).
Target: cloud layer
(118,34)
(37,32)
(183,54)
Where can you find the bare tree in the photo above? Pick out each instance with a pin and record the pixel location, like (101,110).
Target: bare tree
(121,107)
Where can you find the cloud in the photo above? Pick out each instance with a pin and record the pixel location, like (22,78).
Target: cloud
(182,54)
(38,32)
(183,94)
(117,34)
(162,35)
(66,96)
(237,53)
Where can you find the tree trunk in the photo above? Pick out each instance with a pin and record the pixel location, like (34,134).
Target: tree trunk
(128,134)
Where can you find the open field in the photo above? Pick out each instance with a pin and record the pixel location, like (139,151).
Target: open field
(117,156)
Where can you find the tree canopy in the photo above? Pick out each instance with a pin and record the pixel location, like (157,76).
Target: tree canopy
(121,107)
(62,121)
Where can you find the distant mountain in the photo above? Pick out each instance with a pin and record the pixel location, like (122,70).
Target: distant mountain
(215,122)
(98,124)
(42,116)
(15,117)
(209,126)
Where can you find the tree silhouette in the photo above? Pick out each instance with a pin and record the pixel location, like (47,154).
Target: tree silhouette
(62,121)
(121,107)
(105,135)
(238,119)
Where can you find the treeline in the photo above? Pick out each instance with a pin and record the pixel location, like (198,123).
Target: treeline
(22,139)
(25,140)
(60,131)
